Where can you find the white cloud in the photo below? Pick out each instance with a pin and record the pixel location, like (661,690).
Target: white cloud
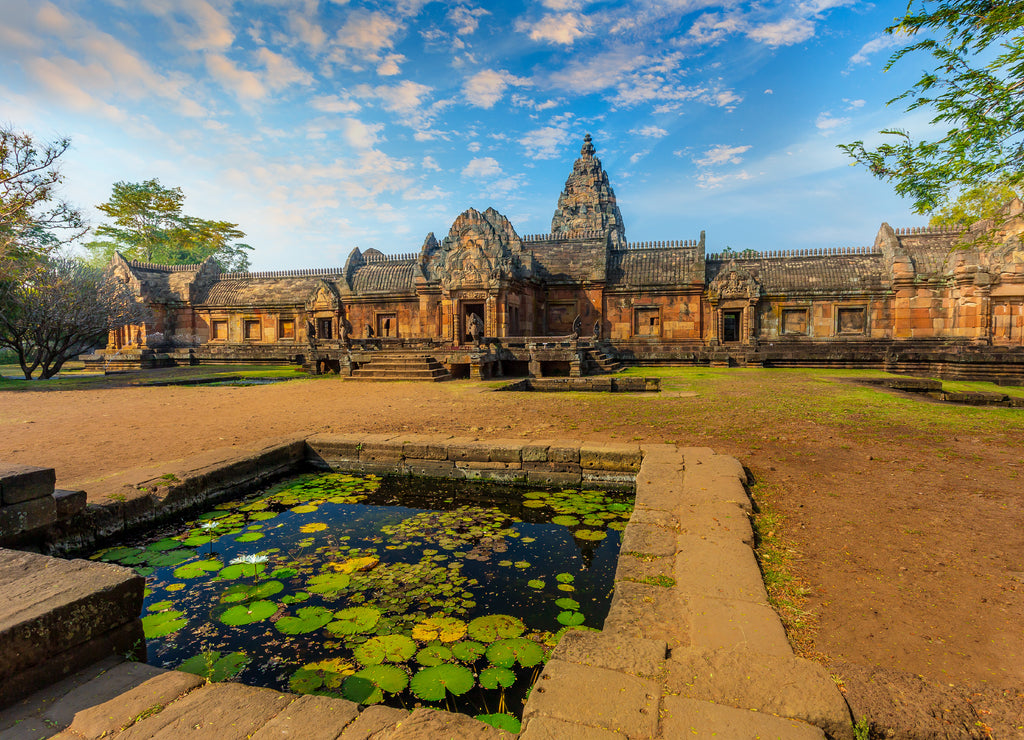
(597,72)
(334,104)
(711,28)
(786,32)
(827,122)
(466,19)
(722,154)
(709,181)
(638,156)
(480,167)
(473,146)
(361,135)
(429,163)
(407,99)
(525,101)
(242,83)
(556,29)
(650,131)
(389,67)
(308,32)
(281,71)
(486,87)
(368,31)
(546,142)
(854,104)
(769,91)
(877,44)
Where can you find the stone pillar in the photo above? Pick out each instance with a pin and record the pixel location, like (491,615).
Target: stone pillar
(534,367)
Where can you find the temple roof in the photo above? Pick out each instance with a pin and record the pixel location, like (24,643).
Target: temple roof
(823,274)
(587,202)
(641,267)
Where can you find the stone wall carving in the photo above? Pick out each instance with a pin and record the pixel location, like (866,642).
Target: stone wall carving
(481,249)
(587,202)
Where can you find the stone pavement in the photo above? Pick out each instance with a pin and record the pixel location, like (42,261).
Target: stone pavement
(690,647)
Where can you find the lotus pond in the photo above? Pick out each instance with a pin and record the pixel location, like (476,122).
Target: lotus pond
(418,592)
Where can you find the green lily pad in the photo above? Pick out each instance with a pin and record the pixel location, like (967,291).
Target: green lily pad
(385,648)
(565,578)
(467,651)
(214,668)
(570,618)
(241,570)
(445,629)
(306,619)
(522,564)
(565,520)
(434,654)
(297,598)
(159,606)
(590,534)
(506,653)
(249,537)
(328,583)
(162,623)
(354,620)
(535,583)
(197,540)
(165,544)
(119,553)
(495,676)
(568,603)
(171,557)
(431,684)
(617,525)
(262,516)
(505,722)
(251,613)
(321,676)
(495,627)
(284,573)
(369,685)
(198,568)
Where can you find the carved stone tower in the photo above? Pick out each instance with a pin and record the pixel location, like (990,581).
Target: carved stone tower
(588,202)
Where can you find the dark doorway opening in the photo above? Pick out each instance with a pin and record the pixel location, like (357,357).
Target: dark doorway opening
(468,309)
(731,326)
(323,328)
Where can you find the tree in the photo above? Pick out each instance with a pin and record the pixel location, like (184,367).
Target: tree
(58,308)
(974,204)
(976,91)
(31,217)
(148,225)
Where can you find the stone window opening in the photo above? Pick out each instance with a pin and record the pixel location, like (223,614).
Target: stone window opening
(251,330)
(731,322)
(648,322)
(219,330)
(286,329)
(851,320)
(325,328)
(794,321)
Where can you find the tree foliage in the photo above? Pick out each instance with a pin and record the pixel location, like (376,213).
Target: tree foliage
(55,309)
(33,221)
(974,204)
(976,91)
(148,225)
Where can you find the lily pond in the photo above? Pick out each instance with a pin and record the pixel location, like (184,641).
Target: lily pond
(408,592)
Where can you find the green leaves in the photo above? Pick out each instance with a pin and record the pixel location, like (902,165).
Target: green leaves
(495,627)
(257,611)
(385,648)
(162,623)
(431,684)
(354,620)
(307,619)
(214,668)
(506,653)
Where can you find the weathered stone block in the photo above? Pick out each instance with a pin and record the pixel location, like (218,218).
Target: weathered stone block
(372,721)
(69,503)
(19,483)
(702,720)
(431,723)
(114,699)
(434,469)
(784,686)
(608,479)
(309,718)
(648,539)
(636,656)
(469,452)
(551,478)
(549,728)
(737,625)
(596,696)
(27,516)
(219,711)
(423,447)
(724,569)
(473,465)
(553,467)
(726,520)
(610,457)
(563,452)
(641,610)
(534,453)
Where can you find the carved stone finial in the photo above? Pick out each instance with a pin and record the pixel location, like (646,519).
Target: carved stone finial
(587,150)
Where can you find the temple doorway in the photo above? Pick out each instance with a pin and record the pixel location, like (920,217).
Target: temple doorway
(387,325)
(468,309)
(731,326)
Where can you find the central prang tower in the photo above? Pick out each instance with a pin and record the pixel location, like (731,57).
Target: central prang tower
(588,202)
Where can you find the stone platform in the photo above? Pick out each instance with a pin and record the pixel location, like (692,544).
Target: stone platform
(690,647)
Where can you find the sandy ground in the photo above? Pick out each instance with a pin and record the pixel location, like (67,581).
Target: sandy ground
(911,538)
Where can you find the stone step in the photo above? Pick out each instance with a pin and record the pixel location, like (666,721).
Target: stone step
(58,616)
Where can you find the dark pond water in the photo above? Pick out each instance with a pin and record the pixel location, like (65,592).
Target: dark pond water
(408,592)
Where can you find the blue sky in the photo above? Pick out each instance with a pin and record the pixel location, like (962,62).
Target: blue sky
(321,125)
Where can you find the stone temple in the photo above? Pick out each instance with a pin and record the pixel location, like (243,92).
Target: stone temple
(486,301)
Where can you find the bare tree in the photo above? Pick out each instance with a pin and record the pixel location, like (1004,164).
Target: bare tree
(61,308)
(31,216)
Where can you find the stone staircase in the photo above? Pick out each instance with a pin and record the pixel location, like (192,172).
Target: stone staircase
(600,362)
(402,365)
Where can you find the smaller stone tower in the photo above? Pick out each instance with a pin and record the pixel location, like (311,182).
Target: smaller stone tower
(588,202)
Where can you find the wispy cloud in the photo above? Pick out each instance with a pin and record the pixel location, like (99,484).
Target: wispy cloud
(722,154)
(563,28)
(827,123)
(487,87)
(882,42)
(649,131)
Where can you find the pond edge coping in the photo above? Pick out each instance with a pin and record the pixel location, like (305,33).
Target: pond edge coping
(690,642)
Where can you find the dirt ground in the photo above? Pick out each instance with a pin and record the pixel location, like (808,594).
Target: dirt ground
(906,514)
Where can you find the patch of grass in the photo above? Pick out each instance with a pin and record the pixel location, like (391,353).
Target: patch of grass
(778,559)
